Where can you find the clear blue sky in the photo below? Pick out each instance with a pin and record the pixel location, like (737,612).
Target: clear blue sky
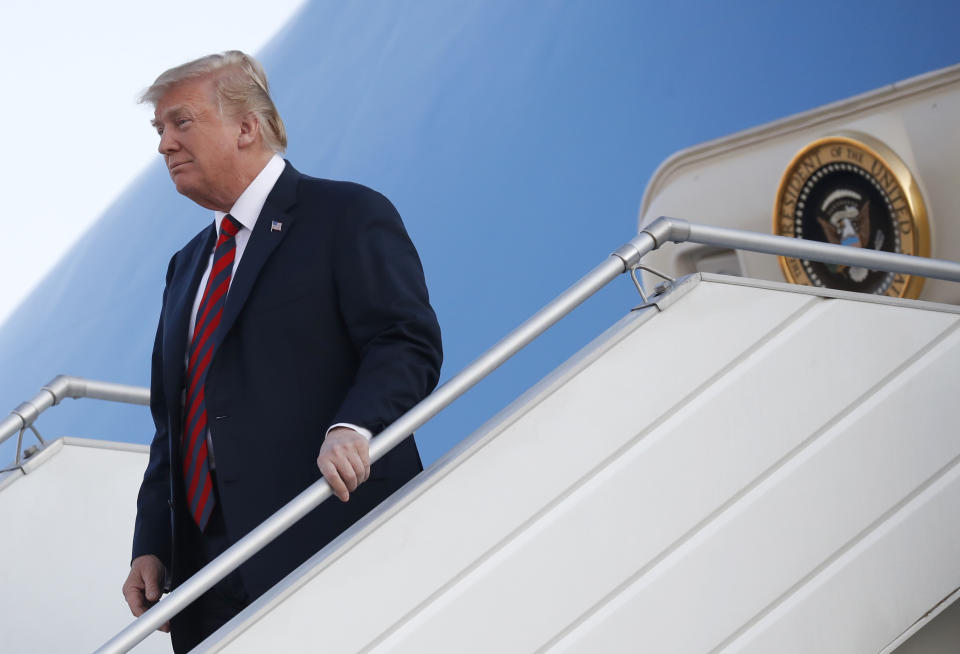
(516,139)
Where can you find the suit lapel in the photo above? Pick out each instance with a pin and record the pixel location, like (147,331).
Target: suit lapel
(179,304)
(263,241)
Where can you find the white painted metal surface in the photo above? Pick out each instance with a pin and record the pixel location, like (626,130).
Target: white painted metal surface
(753,469)
(732,181)
(67,525)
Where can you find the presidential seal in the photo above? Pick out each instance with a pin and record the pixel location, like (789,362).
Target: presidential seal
(851,190)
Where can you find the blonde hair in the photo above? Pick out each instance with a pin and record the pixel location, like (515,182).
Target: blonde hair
(241,87)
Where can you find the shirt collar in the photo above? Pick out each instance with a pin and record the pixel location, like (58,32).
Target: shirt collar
(248,206)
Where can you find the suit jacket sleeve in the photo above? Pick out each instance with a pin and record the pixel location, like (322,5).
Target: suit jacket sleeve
(152,529)
(384,302)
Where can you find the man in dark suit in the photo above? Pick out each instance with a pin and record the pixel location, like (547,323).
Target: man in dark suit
(292,329)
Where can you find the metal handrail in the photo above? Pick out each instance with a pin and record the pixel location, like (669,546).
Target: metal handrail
(666,229)
(62,387)
(624,259)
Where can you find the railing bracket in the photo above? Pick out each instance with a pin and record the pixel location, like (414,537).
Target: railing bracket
(660,289)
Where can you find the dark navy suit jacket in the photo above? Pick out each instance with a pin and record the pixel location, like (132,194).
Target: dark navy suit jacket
(327,320)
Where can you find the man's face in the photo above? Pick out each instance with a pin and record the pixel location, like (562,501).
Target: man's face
(199,145)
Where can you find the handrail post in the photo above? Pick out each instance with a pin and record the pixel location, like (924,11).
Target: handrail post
(64,386)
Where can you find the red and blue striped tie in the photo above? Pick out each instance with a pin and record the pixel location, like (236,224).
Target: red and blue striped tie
(193,445)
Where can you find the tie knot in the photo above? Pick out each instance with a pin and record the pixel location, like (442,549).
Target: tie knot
(230,226)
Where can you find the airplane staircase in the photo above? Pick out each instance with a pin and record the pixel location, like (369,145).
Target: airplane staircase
(735,466)
(748,467)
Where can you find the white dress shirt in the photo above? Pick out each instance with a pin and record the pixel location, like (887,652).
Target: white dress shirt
(246,210)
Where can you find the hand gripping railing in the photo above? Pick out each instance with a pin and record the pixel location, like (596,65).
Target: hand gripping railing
(625,258)
(59,388)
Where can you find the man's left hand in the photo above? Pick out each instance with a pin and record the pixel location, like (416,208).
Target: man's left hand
(344,461)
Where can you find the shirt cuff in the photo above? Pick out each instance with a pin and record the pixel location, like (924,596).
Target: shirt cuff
(360,430)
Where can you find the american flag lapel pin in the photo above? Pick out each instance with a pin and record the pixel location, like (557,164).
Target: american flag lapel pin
(276,226)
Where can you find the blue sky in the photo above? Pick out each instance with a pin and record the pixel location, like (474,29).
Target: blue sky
(515,138)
